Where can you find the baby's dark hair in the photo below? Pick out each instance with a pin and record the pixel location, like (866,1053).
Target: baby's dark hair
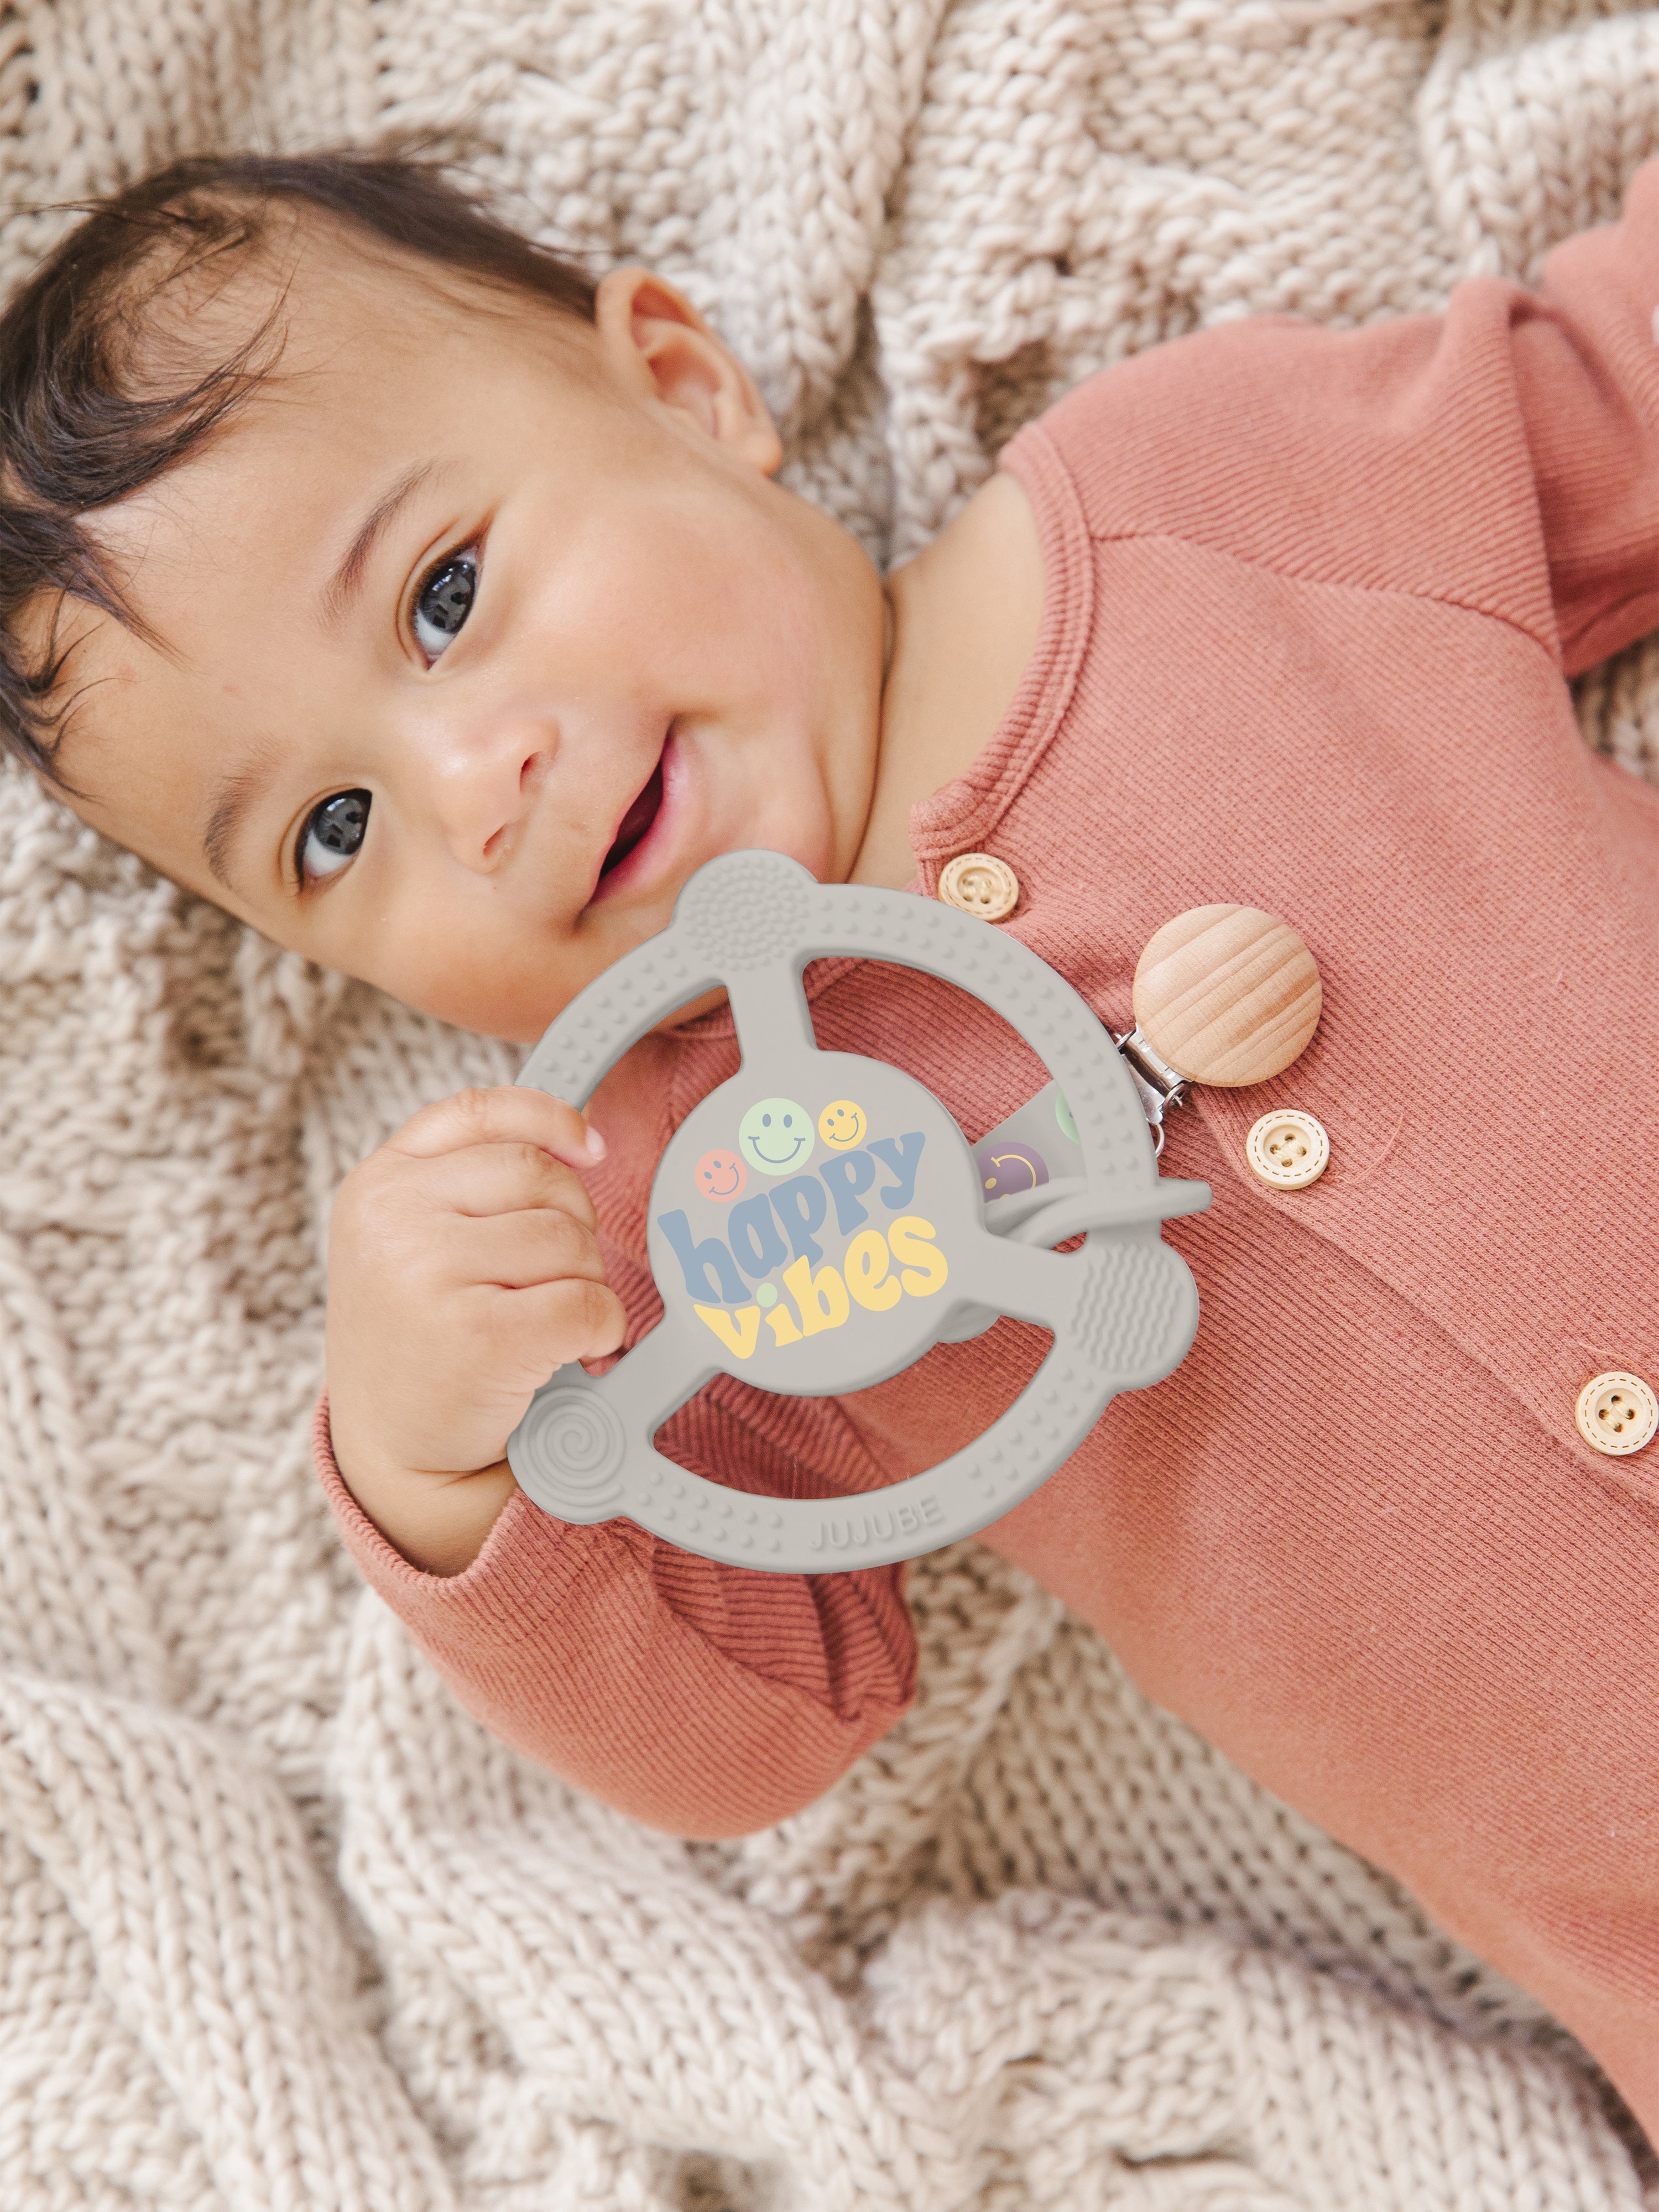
(83,423)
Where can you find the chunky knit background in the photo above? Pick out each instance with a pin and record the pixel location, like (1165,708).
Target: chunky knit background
(280,1927)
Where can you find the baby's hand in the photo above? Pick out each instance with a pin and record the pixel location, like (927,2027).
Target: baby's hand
(462,1268)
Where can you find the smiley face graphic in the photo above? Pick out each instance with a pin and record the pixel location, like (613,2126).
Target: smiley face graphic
(719,1176)
(775,1136)
(1006,1167)
(841,1125)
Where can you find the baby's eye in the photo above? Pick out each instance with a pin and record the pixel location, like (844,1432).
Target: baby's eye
(332,834)
(444,602)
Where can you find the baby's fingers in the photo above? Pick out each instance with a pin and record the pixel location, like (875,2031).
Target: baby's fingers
(514,1251)
(495,1179)
(547,1325)
(507,1114)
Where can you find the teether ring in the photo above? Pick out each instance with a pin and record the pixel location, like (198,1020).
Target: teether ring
(817,1223)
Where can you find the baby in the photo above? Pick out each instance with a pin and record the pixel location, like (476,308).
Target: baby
(371,573)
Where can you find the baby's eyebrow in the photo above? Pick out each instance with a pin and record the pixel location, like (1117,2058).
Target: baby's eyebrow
(344,585)
(234,794)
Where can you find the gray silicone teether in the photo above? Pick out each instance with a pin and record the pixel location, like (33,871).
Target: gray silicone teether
(818,1221)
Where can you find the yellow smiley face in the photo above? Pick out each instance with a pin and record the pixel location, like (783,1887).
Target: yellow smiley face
(841,1125)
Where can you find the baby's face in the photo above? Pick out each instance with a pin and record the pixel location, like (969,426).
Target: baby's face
(475,635)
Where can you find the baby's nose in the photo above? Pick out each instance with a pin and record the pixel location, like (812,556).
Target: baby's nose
(483,795)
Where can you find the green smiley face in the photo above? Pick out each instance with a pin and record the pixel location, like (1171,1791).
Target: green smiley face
(775,1136)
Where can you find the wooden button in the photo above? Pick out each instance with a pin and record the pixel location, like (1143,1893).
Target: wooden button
(980,885)
(1617,1413)
(1288,1150)
(1227,994)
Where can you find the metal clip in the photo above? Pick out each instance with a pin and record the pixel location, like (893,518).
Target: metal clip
(1159,1084)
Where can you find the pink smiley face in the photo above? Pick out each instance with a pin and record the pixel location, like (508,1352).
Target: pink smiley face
(720,1175)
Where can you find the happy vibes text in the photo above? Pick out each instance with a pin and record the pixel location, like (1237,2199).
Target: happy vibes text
(765,1231)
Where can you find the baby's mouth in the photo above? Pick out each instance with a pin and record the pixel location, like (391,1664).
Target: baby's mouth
(634,824)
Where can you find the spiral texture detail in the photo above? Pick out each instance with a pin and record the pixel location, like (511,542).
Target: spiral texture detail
(572,1445)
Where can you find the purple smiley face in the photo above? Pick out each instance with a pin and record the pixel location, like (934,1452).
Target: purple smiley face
(720,1175)
(1008,1168)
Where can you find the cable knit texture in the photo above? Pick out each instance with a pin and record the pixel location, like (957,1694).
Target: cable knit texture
(282,1925)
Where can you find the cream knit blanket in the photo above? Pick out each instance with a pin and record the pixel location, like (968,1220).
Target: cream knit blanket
(280,1927)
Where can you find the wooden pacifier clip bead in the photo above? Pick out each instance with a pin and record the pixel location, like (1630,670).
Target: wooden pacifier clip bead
(1227,994)
(1223,994)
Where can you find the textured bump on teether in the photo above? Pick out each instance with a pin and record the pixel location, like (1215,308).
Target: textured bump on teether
(1132,1303)
(1227,994)
(741,916)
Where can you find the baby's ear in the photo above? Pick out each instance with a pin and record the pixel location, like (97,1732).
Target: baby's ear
(655,340)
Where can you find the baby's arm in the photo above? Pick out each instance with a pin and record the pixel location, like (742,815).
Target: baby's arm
(1586,374)
(704,1699)
(1502,457)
